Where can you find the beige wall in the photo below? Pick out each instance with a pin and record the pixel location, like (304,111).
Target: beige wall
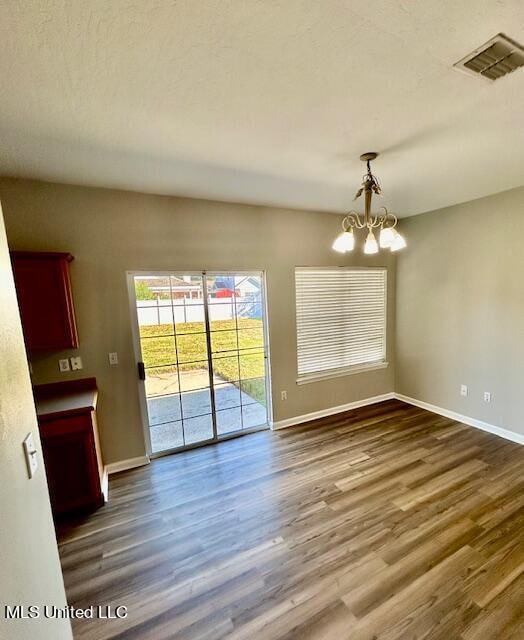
(460,309)
(110,232)
(29,565)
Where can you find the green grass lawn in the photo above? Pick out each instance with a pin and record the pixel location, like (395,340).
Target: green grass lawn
(160,348)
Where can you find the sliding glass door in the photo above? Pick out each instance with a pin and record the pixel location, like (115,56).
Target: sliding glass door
(202,356)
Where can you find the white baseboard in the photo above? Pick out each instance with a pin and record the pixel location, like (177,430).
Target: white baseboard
(323,413)
(124,465)
(471,422)
(105,484)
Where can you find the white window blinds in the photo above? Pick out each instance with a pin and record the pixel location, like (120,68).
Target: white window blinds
(341,319)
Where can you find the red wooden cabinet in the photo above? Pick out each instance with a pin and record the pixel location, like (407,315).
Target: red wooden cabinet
(71,463)
(70,445)
(45,299)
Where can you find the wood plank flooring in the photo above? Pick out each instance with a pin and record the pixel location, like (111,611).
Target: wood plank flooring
(387,523)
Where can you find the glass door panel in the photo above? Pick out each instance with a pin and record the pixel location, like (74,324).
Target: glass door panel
(173,342)
(238,348)
(202,344)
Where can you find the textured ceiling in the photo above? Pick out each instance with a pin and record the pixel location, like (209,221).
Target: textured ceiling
(268,101)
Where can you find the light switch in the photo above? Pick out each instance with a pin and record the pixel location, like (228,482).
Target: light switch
(63,365)
(30,455)
(76,363)
(113,358)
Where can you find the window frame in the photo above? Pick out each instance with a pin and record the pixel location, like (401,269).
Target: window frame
(337,372)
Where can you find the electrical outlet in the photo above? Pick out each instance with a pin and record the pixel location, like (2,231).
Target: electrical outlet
(283,395)
(487,396)
(76,363)
(113,358)
(63,365)
(463,389)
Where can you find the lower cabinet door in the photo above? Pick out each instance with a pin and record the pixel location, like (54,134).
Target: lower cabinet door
(71,464)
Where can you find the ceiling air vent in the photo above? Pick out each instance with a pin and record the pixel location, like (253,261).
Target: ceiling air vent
(498,57)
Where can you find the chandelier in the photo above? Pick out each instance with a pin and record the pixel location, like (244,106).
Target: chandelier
(389,237)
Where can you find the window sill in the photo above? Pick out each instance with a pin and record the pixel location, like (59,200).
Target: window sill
(338,373)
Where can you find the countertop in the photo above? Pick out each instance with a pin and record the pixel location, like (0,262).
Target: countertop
(61,399)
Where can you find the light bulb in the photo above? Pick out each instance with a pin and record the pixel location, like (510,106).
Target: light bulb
(371,245)
(398,242)
(386,237)
(344,242)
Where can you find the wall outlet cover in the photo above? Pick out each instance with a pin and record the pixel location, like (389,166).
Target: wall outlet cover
(463,389)
(113,358)
(76,363)
(63,365)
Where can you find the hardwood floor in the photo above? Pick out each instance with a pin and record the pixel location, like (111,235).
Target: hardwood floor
(386,522)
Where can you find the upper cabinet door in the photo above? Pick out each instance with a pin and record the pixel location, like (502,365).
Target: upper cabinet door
(43,288)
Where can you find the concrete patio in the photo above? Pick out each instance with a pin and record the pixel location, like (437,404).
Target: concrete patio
(235,410)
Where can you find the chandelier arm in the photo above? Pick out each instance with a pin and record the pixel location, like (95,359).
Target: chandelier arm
(352,219)
(382,216)
(378,219)
(391,218)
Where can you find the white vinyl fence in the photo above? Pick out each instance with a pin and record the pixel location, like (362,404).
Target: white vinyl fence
(151,312)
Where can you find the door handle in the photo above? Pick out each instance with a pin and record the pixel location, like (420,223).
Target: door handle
(141,370)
